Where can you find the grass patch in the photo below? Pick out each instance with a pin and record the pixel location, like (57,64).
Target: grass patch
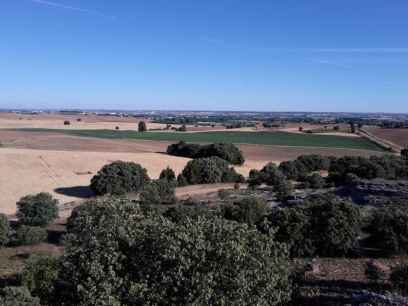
(262,138)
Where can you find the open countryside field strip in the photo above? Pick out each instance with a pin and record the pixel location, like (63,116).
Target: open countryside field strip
(263,138)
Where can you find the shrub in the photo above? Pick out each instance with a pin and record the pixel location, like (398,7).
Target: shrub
(226,151)
(248,210)
(283,189)
(255,178)
(399,279)
(119,178)
(168,174)
(293,169)
(29,235)
(153,261)
(324,226)
(37,210)
(142,126)
(67,122)
(158,192)
(4,230)
(183,149)
(181,181)
(404,153)
(208,171)
(17,296)
(315,181)
(39,275)
(389,230)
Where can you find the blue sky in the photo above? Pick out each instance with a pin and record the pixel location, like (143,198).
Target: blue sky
(291,55)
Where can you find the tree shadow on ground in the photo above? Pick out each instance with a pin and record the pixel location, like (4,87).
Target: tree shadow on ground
(76,191)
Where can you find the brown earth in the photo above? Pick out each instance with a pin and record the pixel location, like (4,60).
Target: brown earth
(396,136)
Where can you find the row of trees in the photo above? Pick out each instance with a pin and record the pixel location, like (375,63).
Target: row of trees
(226,151)
(121,177)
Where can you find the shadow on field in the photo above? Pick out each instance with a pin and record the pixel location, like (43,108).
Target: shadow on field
(76,191)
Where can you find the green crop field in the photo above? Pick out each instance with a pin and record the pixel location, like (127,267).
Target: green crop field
(264,138)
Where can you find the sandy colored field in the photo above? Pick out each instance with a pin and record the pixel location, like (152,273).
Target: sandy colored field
(63,173)
(66,174)
(396,136)
(56,121)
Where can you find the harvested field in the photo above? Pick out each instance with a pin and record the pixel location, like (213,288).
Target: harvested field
(396,136)
(65,174)
(56,121)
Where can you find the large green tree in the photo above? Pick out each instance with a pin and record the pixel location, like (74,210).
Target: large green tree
(37,210)
(117,255)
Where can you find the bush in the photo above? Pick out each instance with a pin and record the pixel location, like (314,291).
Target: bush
(315,181)
(399,279)
(67,122)
(119,178)
(29,235)
(250,210)
(142,126)
(209,171)
(4,230)
(283,189)
(159,192)
(37,210)
(115,256)
(39,275)
(324,226)
(183,149)
(168,174)
(226,151)
(389,230)
(17,296)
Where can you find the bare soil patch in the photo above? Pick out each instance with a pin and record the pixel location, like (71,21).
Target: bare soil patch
(396,136)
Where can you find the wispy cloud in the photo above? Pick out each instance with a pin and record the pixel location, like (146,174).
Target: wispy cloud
(73,8)
(223,43)
(331,63)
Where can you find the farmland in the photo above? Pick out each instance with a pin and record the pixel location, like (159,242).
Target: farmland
(261,138)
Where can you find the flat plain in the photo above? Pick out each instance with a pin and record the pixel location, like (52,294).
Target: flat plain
(62,162)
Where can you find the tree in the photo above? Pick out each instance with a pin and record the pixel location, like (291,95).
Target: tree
(117,256)
(226,151)
(389,230)
(353,127)
(39,275)
(159,192)
(315,181)
(17,296)
(284,189)
(324,226)
(30,235)
(167,174)
(37,210)
(4,230)
(142,126)
(209,171)
(119,178)
(399,278)
(404,153)
(248,210)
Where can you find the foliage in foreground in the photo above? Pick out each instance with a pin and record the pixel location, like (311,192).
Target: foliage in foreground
(326,226)
(119,178)
(17,296)
(116,255)
(399,278)
(37,210)
(389,230)
(4,230)
(159,192)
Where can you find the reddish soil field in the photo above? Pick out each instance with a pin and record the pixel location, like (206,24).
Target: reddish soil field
(397,136)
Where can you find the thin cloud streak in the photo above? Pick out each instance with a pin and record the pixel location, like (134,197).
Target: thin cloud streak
(222,43)
(72,8)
